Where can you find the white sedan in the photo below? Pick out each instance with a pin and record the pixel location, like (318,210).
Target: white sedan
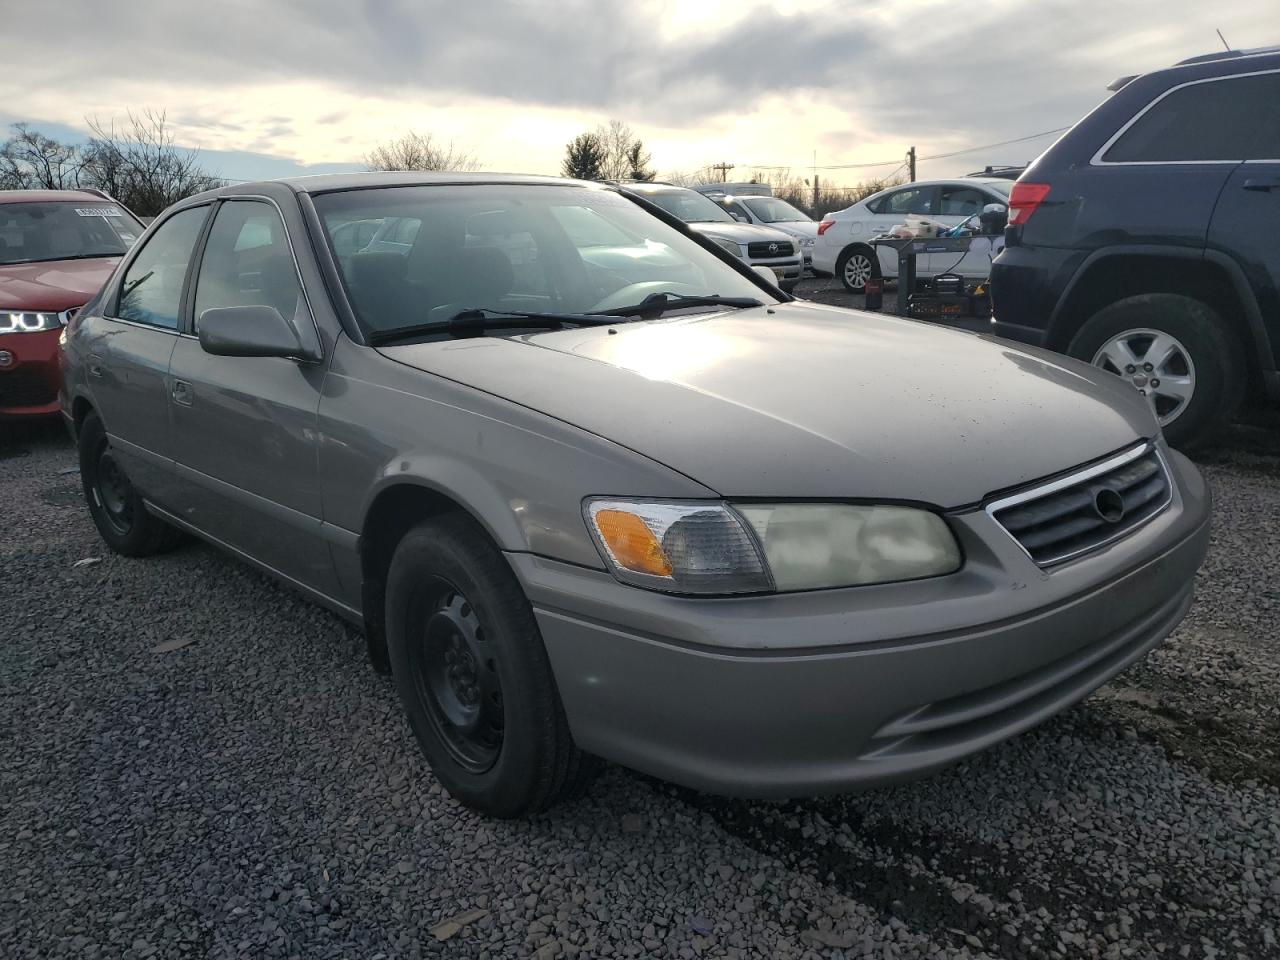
(842,246)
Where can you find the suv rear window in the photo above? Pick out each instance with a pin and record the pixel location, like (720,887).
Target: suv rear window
(1235,118)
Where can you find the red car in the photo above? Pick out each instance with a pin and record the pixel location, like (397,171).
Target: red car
(57,247)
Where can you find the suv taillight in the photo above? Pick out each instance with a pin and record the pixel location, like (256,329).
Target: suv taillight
(824,226)
(1024,200)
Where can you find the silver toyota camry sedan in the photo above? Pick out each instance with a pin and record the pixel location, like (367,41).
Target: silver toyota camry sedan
(593,488)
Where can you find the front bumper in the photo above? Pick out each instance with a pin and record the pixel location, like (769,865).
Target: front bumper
(837,690)
(792,268)
(29,379)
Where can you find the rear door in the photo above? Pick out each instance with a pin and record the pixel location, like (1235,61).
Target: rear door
(1246,221)
(245,433)
(130,347)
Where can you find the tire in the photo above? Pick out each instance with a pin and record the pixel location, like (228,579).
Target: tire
(855,266)
(473,676)
(116,507)
(1182,338)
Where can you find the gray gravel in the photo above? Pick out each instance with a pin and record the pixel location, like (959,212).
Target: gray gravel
(195,762)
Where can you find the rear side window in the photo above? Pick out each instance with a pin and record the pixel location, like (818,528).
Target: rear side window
(1237,118)
(917,200)
(247,262)
(151,290)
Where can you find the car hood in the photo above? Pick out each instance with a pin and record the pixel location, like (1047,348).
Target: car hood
(739,232)
(805,400)
(53,284)
(796,228)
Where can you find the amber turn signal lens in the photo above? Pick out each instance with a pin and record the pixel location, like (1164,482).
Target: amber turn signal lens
(632,543)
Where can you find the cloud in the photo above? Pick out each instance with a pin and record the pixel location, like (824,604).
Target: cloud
(754,81)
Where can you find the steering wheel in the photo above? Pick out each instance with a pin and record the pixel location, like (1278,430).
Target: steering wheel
(633,293)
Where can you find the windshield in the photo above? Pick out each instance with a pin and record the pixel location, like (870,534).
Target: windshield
(64,230)
(689,205)
(511,247)
(773,210)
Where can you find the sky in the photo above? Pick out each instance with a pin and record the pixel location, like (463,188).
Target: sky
(278,87)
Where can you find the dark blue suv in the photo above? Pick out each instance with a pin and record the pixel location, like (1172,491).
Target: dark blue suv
(1147,240)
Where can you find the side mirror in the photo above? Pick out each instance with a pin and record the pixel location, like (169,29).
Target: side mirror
(994,216)
(764,273)
(257,331)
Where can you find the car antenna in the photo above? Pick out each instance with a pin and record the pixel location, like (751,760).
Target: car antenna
(1225,45)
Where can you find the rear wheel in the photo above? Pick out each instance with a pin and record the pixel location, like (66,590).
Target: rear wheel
(115,506)
(1176,352)
(472,673)
(855,267)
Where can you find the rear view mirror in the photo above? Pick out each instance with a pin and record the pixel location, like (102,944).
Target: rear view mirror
(256,331)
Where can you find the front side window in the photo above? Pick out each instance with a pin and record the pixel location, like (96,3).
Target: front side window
(916,201)
(151,289)
(1232,119)
(506,247)
(773,210)
(65,230)
(961,202)
(247,262)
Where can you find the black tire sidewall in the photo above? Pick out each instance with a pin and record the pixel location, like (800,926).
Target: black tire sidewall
(843,261)
(458,551)
(139,540)
(1219,373)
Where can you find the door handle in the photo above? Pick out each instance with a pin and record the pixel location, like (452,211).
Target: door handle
(1261,185)
(182,392)
(95,365)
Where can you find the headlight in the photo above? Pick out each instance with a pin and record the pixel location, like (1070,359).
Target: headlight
(810,545)
(727,245)
(808,241)
(28,321)
(715,548)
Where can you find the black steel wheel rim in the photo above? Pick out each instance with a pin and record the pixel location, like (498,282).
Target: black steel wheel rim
(112,491)
(455,677)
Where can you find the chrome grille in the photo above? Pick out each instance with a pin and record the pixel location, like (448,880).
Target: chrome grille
(764,249)
(1088,508)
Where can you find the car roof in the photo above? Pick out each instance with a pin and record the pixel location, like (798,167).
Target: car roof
(331,182)
(48,196)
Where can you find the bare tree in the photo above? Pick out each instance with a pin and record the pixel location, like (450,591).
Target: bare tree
(799,191)
(140,165)
(621,147)
(30,160)
(419,151)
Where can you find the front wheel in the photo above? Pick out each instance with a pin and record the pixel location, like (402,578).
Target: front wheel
(116,507)
(472,674)
(855,267)
(1177,353)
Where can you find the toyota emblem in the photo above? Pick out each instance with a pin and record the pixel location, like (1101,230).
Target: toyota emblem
(1109,505)
(6,359)
(773,248)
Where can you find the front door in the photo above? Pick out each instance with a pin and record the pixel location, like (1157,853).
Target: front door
(245,437)
(130,348)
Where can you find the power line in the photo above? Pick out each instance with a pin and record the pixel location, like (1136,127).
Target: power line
(894,163)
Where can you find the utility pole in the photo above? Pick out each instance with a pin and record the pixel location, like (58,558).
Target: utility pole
(911,165)
(724,169)
(815,190)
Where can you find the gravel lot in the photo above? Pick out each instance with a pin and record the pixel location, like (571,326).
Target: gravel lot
(195,762)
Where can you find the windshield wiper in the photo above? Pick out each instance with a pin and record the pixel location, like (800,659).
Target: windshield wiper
(656,303)
(475,320)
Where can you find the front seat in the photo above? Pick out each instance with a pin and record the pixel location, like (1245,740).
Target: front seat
(379,291)
(477,277)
